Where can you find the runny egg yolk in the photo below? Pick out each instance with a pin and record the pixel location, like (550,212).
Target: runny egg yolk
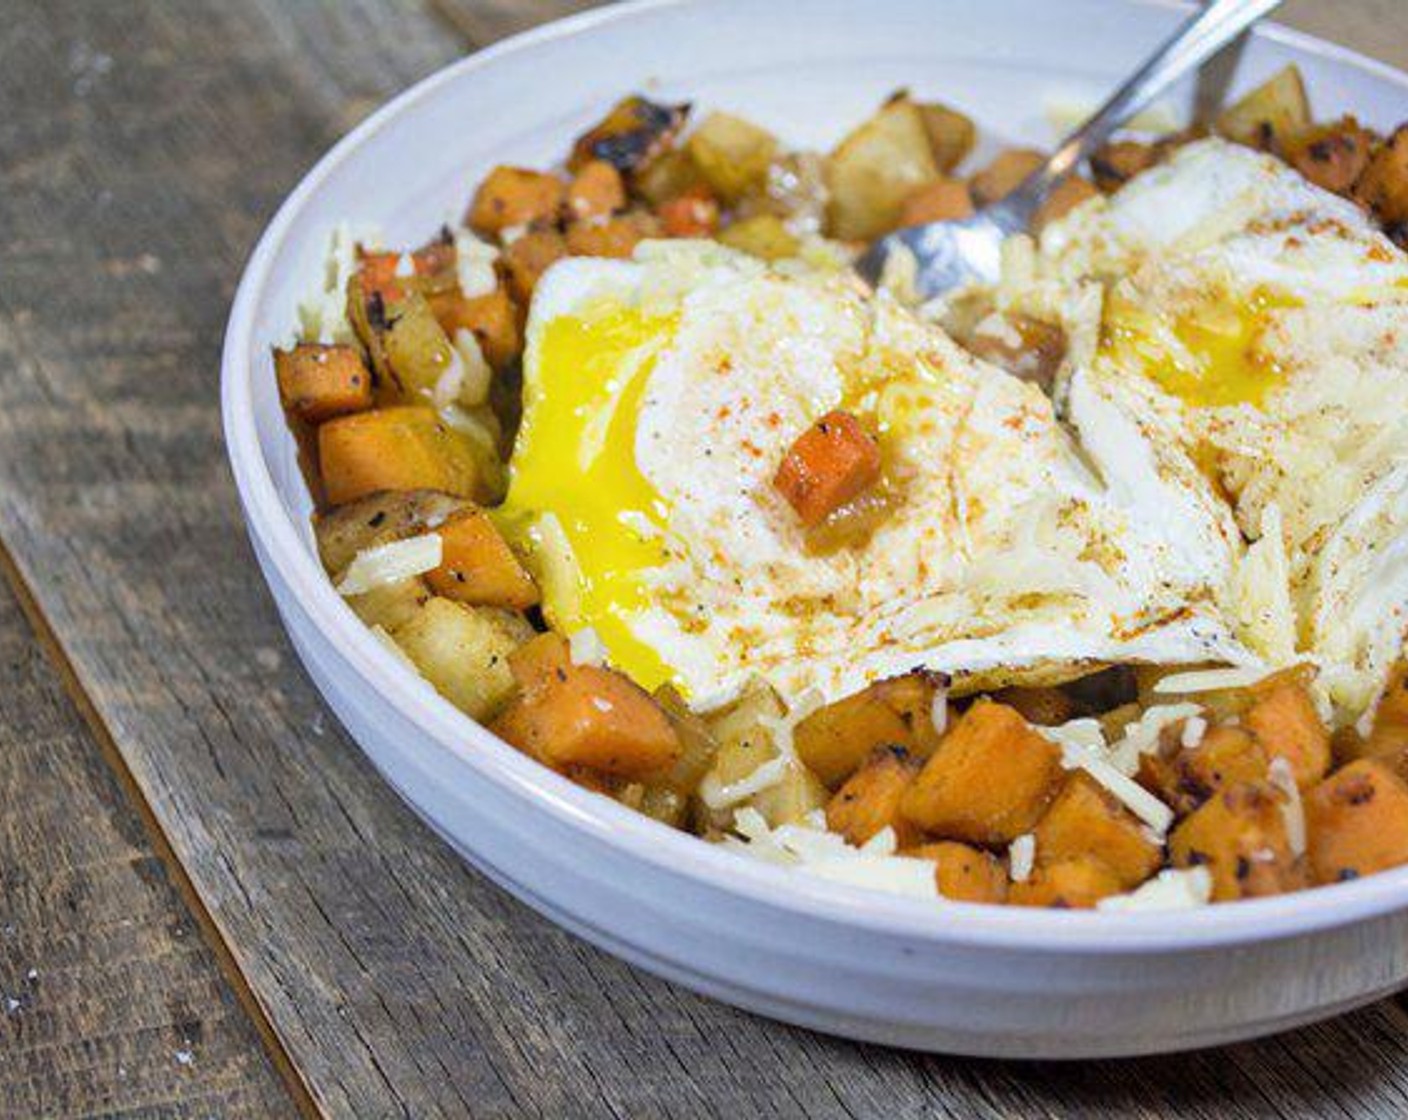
(1207,356)
(575,456)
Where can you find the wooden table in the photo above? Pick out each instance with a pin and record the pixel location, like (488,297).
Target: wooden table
(209,903)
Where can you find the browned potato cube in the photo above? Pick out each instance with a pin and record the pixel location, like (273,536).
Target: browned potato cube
(869,801)
(635,134)
(1120,161)
(1074,883)
(1004,174)
(942,200)
(1283,718)
(951,134)
(527,258)
(963,873)
(1067,195)
(464,652)
(990,780)
(765,236)
(875,168)
(732,154)
(1271,115)
(1085,820)
(378,519)
(834,741)
(514,196)
(1357,822)
(596,191)
(318,382)
(1384,185)
(1239,835)
(1333,156)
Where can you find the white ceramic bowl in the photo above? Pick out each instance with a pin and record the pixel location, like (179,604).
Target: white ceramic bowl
(955,978)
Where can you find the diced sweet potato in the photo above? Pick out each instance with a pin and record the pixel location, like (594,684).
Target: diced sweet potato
(318,382)
(1333,156)
(990,780)
(1119,161)
(834,741)
(951,134)
(1074,883)
(1356,822)
(1239,835)
(464,652)
(527,258)
(1004,174)
(614,237)
(596,191)
(869,801)
(1065,197)
(582,715)
(1184,778)
(1085,820)
(1283,718)
(692,213)
(491,318)
(402,448)
(478,567)
(632,136)
(831,463)
(386,272)
(963,873)
(943,200)
(514,196)
(1384,184)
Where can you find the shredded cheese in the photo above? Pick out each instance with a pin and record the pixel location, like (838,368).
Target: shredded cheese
(1135,797)
(1212,680)
(390,563)
(474,264)
(720,796)
(1021,857)
(585,647)
(1280,774)
(1174,889)
(1194,729)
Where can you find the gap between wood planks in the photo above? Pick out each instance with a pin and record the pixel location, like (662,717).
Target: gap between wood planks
(73,687)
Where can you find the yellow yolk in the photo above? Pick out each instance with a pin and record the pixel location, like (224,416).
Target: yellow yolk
(575,454)
(1207,356)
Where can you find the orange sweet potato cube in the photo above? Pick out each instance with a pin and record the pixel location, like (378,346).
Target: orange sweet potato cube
(318,382)
(990,780)
(1073,883)
(612,237)
(514,196)
(869,801)
(1086,820)
(478,567)
(400,448)
(1357,822)
(836,739)
(1284,720)
(527,258)
(596,191)
(963,873)
(492,318)
(693,213)
(943,200)
(1188,776)
(1239,834)
(831,463)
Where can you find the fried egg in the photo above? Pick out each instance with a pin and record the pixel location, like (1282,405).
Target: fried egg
(1262,325)
(660,395)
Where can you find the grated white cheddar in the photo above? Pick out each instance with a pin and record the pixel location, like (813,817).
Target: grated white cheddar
(1194,729)
(1212,680)
(1021,857)
(390,563)
(1283,778)
(1174,889)
(322,312)
(474,264)
(1142,736)
(585,647)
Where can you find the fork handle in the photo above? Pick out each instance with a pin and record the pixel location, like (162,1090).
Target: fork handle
(1195,42)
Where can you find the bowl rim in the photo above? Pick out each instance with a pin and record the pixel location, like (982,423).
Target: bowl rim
(634,835)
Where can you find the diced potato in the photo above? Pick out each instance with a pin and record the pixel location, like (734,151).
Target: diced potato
(1185,778)
(318,382)
(963,873)
(402,448)
(1027,348)
(596,191)
(464,652)
(763,235)
(832,463)
(417,352)
(1085,820)
(392,604)
(692,213)
(527,258)
(478,567)
(580,715)
(1119,161)
(1384,185)
(790,799)
(744,744)
(666,796)
(1004,174)
(670,176)
(834,741)
(1074,883)
(869,801)
(1357,822)
(943,200)
(732,155)
(492,318)
(990,780)
(633,136)
(377,519)
(1271,115)
(1044,706)
(951,134)
(514,196)
(614,237)
(1065,197)
(875,168)
(1239,835)
(1283,718)
(1333,156)
(366,311)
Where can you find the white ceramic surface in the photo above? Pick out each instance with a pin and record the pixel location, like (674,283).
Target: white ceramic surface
(955,978)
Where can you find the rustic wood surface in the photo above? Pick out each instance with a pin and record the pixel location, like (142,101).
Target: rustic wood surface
(143,147)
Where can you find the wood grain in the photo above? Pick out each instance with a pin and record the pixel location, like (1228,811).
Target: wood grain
(109,999)
(145,147)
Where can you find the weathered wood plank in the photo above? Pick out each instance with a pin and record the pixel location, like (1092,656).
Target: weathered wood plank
(144,148)
(110,1002)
